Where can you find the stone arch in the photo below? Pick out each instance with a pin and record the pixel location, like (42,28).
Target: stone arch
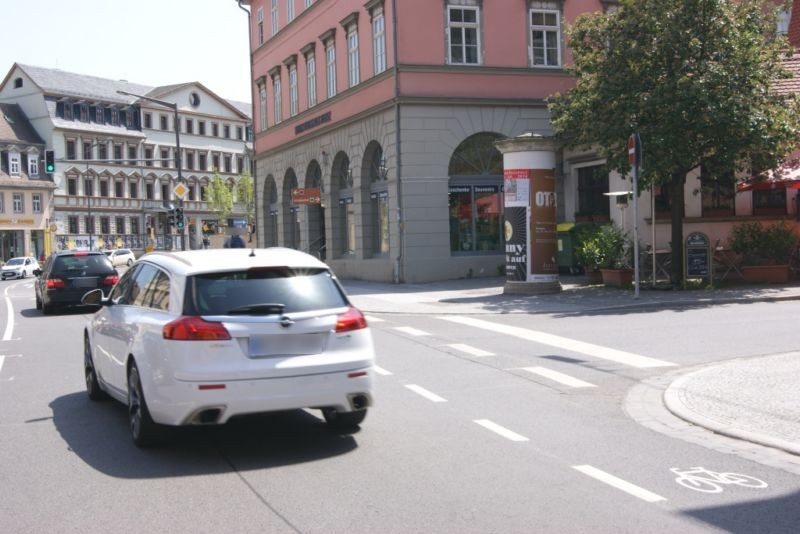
(375,201)
(291,219)
(315,212)
(271,211)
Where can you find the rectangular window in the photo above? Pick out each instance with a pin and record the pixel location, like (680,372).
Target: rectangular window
(262,107)
(103,188)
(214,129)
(72,186)
(330,68)
(378,41)
(165,191)
(84,111)
(119,189)
(475,218)
(352,57)
(226,131)
(228,163)
(70,149)
(202,162)
(88,187)
(189,126)
(36,200)
(114,117)
(164,120)
(89,225)
(133,189)
(134,225)
(148,120)
(164,157)
(105,225)
(33,164)
(201,127)
(215,161)
(190,161)
(67,111)
(87,150)
(132,155)
(273,12)
(102,152)
(148,157)
(276,96)
(591,185)
(769,202)
(239,133)
(311,80)
(293,90)
(239,164)
(545,38)
(307,3)
(149,191)
(191,195)
(289,10)
(17,202)
(464,33)
(260,25)
(14,163)
(72,224)
(99,116)
(118,154)
(718,193)
(119,225)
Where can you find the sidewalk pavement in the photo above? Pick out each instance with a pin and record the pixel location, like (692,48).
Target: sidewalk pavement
(756,400)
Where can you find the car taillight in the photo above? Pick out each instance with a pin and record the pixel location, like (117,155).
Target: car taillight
(350,320)
(110,280)
(193,328)
(55,283)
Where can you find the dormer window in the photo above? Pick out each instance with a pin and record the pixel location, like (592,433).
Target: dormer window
(13,163)
(33,164)
(68,111)
(17,83)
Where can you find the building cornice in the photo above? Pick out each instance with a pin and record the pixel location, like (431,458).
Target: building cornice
(349,20)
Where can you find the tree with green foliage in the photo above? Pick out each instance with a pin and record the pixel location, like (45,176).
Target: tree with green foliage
(245,195)
(220,197)
(695,78)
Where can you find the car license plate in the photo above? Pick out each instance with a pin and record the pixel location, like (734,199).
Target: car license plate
(286,345)
(84,282)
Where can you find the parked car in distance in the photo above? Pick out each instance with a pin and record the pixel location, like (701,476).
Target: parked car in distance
(200,336)
(121,256)
(67,276)
(19,268)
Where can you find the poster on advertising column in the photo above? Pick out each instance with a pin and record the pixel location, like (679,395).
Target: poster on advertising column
(516,190)
(543,236)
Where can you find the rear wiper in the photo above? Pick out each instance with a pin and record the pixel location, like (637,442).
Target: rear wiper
(268,308)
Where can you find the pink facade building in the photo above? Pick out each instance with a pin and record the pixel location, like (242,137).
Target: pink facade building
(385,112)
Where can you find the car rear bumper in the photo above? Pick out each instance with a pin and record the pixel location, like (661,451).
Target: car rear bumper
(68,296)
(214,402)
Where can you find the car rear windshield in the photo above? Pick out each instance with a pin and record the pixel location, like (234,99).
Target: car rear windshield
(15,261)
(262,291)
(87,265)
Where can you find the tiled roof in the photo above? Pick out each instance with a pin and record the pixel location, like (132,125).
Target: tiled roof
(793,33)
(59,82)
(243,107)
(15,127)
(790,85)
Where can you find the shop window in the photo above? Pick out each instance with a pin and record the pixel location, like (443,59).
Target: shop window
(592,184)
(475,197)
(769,202)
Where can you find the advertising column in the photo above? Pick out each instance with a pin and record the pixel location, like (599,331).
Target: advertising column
(530,214)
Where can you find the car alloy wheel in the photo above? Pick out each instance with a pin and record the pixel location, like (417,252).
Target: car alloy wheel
(144,430)
(92,384)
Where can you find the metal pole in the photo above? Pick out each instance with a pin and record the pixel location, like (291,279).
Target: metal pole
(653,228)
(178,163)
(89,219)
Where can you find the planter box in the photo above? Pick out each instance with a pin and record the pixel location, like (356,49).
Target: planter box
(593,276)
(766,274)
(617,277)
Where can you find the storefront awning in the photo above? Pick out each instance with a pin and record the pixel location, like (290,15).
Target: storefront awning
(768,185)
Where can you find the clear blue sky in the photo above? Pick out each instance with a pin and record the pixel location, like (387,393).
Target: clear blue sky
(152,42)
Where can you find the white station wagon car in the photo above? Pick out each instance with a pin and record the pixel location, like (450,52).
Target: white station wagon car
(121,256)
(201,336)
(21,267)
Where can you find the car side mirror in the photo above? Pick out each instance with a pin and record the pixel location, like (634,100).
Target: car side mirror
(94,298)
(37,272)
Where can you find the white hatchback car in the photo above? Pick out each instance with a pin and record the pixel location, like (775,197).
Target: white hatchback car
(197,337)
(19,268)
(121,256)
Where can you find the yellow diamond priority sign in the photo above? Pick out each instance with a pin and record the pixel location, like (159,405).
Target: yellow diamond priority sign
(180,191)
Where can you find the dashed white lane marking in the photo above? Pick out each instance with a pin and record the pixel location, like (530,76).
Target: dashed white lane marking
(433,397)
(381,370)
(618,483)
(10,315)
(562,378)
(503,431)
(2,359)
(470,350)
(411,331)
(371,319)
(590,349)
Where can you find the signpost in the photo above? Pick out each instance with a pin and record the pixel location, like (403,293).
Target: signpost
(635,159)
(697,256)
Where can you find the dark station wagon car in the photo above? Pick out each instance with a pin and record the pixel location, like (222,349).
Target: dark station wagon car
(67,276)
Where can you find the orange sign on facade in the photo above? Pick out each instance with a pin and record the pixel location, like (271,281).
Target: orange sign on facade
(306,195)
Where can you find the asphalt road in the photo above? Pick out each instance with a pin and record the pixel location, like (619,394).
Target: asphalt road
(513,423)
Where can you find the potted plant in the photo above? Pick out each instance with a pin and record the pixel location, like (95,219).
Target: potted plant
(587,253)
(765,250)
(609,251)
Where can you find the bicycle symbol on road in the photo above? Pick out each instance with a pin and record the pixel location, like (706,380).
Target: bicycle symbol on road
(701,479)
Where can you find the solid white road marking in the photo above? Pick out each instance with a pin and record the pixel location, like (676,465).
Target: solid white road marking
(425,393)
(2,359)
(618,483)
(411,331)
(559,377)
(604,353)
(10,320)
(371,319)
(381,370)
(503,431)
(470,350)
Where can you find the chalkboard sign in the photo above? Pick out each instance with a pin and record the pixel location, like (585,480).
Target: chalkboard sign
(697,256)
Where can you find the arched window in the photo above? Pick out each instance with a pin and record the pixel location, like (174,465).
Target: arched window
(475,197)
(291,219)
(376,190)
(272,208)
(315,212)
(344,218)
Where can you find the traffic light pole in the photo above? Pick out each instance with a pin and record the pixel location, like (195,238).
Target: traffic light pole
(174,107)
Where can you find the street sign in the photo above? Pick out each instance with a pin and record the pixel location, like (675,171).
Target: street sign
(180,190)
(306,195)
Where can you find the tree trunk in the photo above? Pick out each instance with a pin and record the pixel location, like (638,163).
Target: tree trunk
(676,187)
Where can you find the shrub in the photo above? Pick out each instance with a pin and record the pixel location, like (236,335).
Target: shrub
(759,245)
(608,248)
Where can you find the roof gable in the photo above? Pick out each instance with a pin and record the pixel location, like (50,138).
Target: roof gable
(15,127)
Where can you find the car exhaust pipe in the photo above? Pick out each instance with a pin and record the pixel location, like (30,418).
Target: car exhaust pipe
(207,416)
(359,401)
